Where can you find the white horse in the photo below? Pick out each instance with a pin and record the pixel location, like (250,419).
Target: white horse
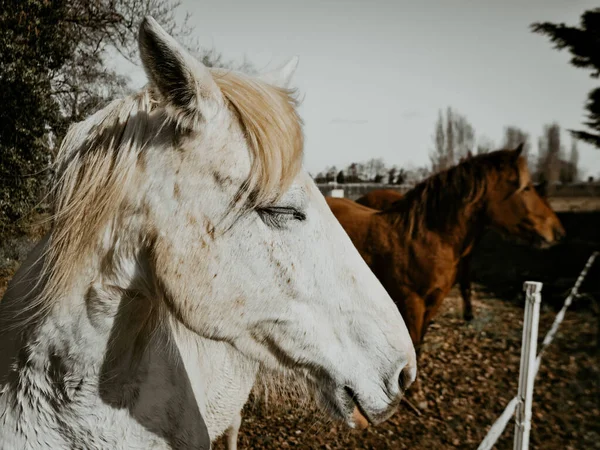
(188,248)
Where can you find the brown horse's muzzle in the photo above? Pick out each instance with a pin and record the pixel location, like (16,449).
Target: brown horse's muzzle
(559,234)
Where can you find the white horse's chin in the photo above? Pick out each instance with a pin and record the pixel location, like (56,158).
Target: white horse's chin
(345,405)
(336,403)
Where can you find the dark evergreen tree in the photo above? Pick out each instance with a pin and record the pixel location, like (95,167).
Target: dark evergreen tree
(584,44)
(401,177)
(392,175)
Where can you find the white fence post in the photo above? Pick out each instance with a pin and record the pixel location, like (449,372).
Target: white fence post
(533,298)
(522,402)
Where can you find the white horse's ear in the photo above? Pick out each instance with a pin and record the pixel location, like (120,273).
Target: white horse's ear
(183,83)
(282,76)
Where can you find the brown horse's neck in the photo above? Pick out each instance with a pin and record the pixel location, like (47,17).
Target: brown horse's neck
(452,205)
(468,229)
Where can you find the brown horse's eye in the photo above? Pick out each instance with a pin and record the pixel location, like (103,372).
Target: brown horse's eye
(527,188)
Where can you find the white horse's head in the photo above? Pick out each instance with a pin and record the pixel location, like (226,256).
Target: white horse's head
(226,230)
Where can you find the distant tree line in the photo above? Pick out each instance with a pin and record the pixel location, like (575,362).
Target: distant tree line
(371,171)
(454,139)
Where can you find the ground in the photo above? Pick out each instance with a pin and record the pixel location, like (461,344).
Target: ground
(467,374)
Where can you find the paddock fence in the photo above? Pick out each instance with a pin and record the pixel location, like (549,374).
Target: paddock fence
(521,404)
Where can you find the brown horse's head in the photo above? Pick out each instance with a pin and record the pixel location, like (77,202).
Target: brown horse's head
(516,207)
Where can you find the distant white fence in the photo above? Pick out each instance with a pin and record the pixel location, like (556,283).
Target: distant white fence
(355,190)
(530,364)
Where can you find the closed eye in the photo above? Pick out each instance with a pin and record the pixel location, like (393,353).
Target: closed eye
(276,216)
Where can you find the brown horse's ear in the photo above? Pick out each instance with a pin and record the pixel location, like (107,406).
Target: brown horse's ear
(519,150)
(542,188)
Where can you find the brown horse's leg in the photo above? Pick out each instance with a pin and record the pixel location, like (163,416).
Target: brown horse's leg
(413,312)
(434,302)
(464,281)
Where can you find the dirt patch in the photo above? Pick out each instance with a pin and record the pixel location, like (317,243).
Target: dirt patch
(467,374)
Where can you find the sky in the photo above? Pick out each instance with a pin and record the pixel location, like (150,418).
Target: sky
(374,74)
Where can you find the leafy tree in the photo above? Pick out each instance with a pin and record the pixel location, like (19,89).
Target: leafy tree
(392,175)
(100,29)
(341,178)
(514,136)
(362,172)
(450,143)
(375,169)
(402,176)
(352,175)
(34,44)
(321,177)
(465,136)
(484,145)
(421,173)
(453,138)
(583,43)
(54,71)
(331,174)
(438,158)
(574,161)
(549,155)
(569,170)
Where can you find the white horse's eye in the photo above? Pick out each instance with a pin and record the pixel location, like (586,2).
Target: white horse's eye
(277,216)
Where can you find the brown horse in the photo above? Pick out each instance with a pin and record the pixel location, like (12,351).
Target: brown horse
(383,199)
(414,247)
(379,199)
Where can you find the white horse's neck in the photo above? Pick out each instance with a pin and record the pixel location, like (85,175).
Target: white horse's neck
(124,374)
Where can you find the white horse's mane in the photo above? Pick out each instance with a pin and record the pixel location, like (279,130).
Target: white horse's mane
(99,158)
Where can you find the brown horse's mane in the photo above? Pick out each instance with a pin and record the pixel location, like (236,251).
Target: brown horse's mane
(438,202)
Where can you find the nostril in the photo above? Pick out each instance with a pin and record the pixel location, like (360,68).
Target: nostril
(559,234)
(407,377)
